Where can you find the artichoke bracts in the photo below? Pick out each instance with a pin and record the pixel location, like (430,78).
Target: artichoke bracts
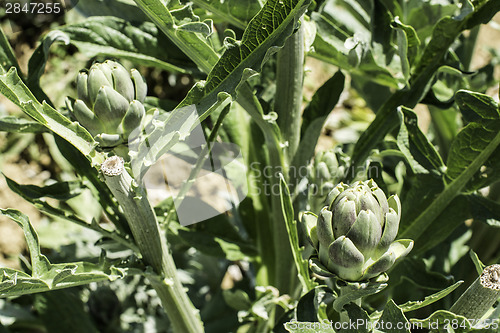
(354,235)
(109,103)
(326,171)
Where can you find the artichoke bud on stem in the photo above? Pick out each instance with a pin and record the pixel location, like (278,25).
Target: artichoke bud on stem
(356,232)
(110,102)
(323,174)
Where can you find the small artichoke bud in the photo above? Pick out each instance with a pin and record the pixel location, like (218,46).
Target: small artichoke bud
(323,174)
(109,103)
(356,232)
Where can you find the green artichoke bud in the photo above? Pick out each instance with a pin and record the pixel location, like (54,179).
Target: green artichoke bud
(109,103)
(323,174)
(355,233)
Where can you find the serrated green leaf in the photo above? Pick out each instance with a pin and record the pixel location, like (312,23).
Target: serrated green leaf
(123,9)
(291,227)
(47,276)
(14,89)
(351,291)
(444,34)
(484,209)
(67,276)
(342,39)
(477,262)
(412,40)
(7,56)
(78,273)
(419,152)
(265,34)
(311,306)
(141,43)
(414,305)
(235,12)
(441,321)
(45,207)
(394,314)
(476,107)
(13,124)
(36,64)
(39,262)
(356,315)
(237,299)
(15,283)
(474,143)
(59,191)
(415,270)
(194,45)
(470,150)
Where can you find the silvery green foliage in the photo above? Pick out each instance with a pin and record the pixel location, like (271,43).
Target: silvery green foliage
(355,233)
(109,103)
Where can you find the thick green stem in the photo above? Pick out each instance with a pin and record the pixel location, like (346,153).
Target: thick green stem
(284,275)
(289,82)
(146,231)
(263,227)
(288,104)
(480,296)
(345,291)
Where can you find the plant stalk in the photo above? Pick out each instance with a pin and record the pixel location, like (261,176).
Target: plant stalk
(284,275)
(289,83)
(480,296)
(288,103)
(142,220)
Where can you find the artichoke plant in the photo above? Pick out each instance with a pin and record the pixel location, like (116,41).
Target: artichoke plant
(326,171)
(109,103)
(354,235)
